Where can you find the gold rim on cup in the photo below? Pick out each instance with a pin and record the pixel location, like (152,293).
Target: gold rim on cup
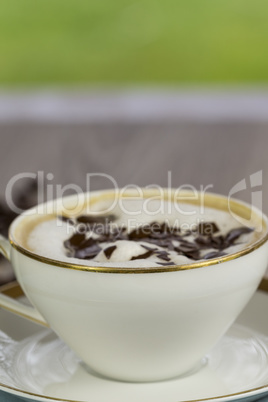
(210,200)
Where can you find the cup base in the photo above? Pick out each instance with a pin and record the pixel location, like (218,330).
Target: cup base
(199,366)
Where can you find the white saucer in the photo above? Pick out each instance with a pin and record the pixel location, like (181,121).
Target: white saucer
(35,364)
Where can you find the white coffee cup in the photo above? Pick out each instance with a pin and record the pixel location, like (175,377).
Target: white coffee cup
(134,324)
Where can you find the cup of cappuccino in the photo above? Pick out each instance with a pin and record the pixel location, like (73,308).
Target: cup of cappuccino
(139,285)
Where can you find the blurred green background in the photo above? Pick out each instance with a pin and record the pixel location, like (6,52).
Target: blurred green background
(119,41)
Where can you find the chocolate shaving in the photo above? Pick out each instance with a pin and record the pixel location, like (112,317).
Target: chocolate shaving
(160,235)
(213,254)
(186,247)
(109,251)
(163,255)
(91,219)
(217,242)
(193,255)
(203,241)
(119,233)
(76,241)
(166,264)
(140,233)
(143,256)
(148,248)
(207,228)
(235,233)
(87,252)
(67,219)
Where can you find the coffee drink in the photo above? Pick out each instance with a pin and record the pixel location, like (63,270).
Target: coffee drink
(140,233)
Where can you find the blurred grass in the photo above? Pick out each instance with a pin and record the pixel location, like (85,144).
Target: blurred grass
(119,41)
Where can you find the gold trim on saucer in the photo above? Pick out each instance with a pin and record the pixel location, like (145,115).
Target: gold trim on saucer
(51,398)
(209,200)
(264,285)
(27,316)
(12,289)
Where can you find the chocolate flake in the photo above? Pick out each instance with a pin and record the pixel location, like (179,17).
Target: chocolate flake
(109,251)
(166,264)
(148,248)
(163,255)
(142,256)
(207,228)
(140,233)
(87,252)
(160,235)
(67,219)
(235,233)
(218,242)
(75,241)
(213,254)
(93,219)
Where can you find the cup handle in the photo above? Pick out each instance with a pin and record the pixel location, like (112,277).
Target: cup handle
(15,306)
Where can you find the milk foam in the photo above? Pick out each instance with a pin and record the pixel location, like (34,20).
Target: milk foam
(47,238)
